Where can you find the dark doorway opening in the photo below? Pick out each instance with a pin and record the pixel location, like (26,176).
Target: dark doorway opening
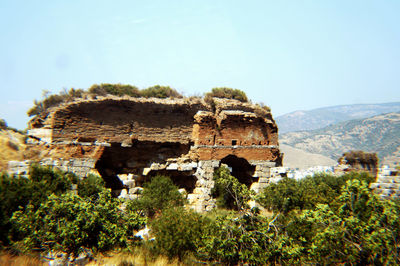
(182,179)
(241,169)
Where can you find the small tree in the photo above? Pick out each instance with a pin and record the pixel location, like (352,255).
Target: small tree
(229,191)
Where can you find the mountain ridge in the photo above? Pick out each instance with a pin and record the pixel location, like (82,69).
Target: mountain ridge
(301,120)
(380,134)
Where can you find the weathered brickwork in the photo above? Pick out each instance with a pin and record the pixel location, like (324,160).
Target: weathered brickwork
(129,140)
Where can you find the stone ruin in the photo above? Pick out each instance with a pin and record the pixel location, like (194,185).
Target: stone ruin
(129,140)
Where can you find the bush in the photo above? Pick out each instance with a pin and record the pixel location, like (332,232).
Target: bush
(227,93)
(17,192)
(178,232)
(158,194)
(291,194)
(158,91)
(364,230)
(230,193)
(69,223)
(248,239)
(91,186)
(114,89)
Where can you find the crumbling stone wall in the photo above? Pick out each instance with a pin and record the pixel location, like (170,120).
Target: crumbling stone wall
(129,140)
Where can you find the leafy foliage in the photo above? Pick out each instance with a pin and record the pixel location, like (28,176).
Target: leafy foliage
(17,192)
(70,223)
(228,93)
(178,232)
(90,186)
(158,194)
(247,239)
(50,100)
(229,191)
(290,194)
(364,230)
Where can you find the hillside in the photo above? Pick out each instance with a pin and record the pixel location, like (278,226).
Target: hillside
(296,158)
(11,147)
(379,134)
(322,117)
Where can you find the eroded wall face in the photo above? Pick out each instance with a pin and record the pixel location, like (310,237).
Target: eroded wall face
(123,121)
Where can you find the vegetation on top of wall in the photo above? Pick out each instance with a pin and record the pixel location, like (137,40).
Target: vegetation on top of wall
(103,89)
(114,89)
(3,124)
(162,92)
(228,93)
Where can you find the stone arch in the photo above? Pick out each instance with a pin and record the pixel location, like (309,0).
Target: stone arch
(241,169)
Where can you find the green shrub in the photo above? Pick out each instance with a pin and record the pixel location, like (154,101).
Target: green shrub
(69,223)
(178,232)
(230,193)
(114,89)
(291,194)
(15,192)
(247,239)
(158,194)
(91,186)
(364,230)
(158,91)
(228,93)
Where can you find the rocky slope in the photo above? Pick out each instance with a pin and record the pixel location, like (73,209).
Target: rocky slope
(380,134)
(321,117)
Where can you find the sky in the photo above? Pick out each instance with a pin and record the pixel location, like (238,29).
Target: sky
(289,55)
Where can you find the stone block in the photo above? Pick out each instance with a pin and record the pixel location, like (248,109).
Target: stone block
(136,190)
(185,167)
(146,170)
(201,183)
(172,166)
(199,190)
(129,183)
(263,180)
(123,194)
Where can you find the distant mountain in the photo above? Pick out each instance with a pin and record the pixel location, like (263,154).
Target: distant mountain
(380,134)
(322,117)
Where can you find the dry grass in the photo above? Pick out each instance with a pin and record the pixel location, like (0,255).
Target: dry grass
(128,259)
(21,260)
(11,147)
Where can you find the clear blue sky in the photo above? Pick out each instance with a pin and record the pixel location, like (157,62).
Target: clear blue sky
(290,55)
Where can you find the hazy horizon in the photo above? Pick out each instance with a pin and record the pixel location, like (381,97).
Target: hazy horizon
(292,55)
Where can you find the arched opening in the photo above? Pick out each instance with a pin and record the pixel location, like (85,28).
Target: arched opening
(182,179)
(117,160)
(241,169)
